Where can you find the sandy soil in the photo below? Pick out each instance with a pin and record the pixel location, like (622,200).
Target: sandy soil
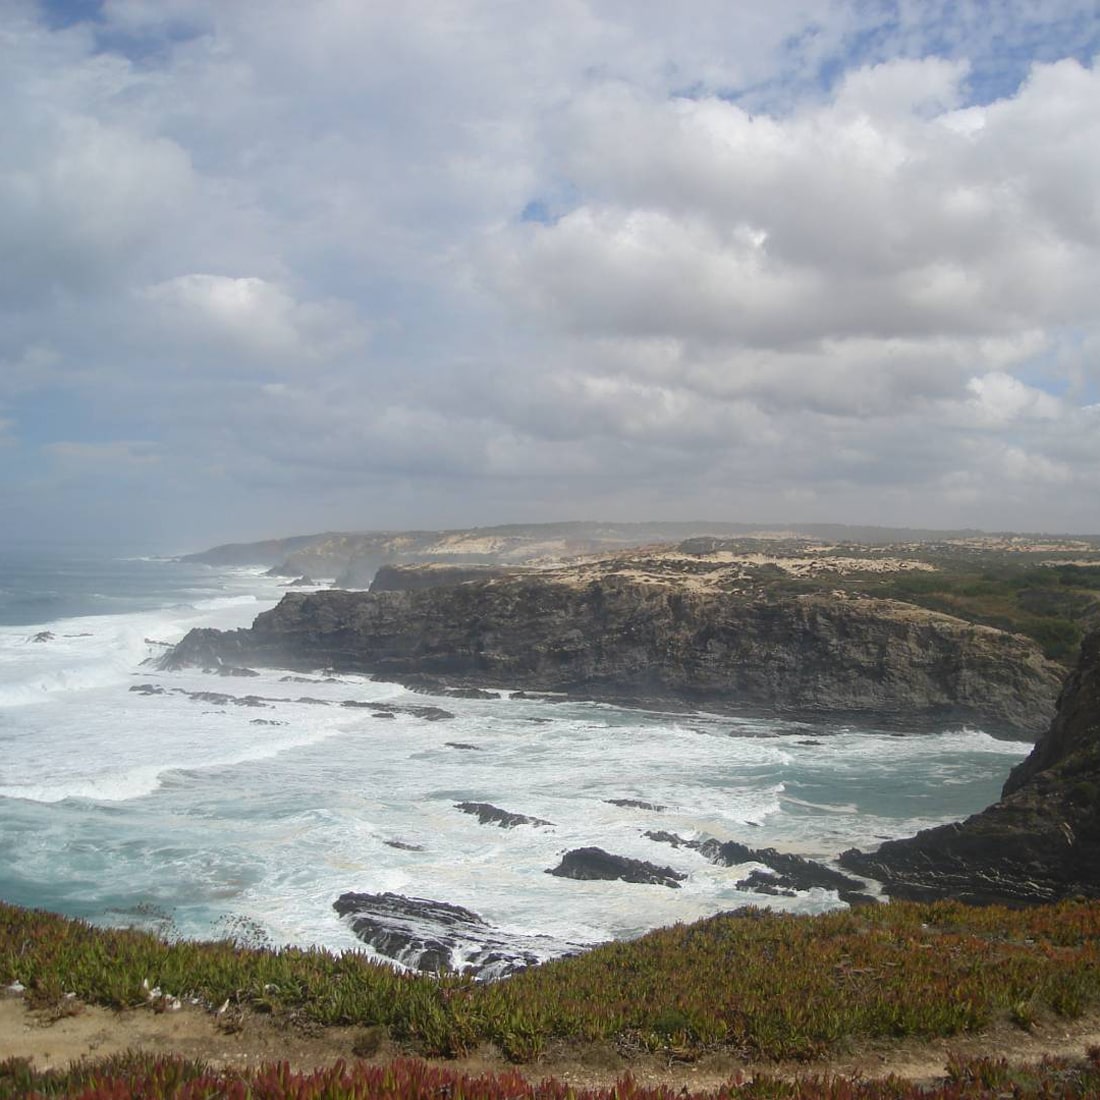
(251,1040)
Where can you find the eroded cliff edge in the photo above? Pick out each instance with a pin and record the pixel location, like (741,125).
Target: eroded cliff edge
(662,636)
(1040,842)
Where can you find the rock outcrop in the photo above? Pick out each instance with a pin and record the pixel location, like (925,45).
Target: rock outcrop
(789,873)
(437,937)
(488,814)
(594,864)
(1040,842)
(612,633)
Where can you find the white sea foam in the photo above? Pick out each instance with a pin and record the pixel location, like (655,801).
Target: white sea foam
(204,808)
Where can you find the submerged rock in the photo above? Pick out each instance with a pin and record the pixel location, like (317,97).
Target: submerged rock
(634,803)
(1039,843)
(492,815)
(437,937)
(594,863)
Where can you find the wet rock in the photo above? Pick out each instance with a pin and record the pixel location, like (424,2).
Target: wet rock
(594,863)
(634,803)
(493,815)
(437,937)
(791,872)
(462,745)
(403,846)
(429,714)
(761,882)
(147,689)
(1040,843)
(236,670)
(43,636)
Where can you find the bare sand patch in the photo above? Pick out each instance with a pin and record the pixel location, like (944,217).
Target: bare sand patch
(252,1040)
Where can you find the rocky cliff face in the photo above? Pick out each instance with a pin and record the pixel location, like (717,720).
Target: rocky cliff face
(618,635)
(1041,842)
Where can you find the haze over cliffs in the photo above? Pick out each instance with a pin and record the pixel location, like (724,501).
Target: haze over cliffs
(353,558)
(701,627)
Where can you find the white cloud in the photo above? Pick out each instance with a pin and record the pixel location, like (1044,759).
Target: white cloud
(251,317)
(1000,399)
(791,256)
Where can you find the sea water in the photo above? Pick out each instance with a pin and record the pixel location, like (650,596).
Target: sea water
(206,806)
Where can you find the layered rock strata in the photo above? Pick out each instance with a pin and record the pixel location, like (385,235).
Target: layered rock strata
(437,937)
(618,636)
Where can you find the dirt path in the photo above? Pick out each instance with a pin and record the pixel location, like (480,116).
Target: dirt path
(252,1040)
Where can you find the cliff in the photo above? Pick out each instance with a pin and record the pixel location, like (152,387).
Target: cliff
(662,634)
(1040,842)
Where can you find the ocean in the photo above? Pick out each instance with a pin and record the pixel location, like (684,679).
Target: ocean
(205,807)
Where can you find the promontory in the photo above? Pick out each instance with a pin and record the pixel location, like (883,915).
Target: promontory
(829,633)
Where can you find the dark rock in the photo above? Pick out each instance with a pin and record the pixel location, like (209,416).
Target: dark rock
(43,636)
(633,803)
(147,689)
(384,714)
(429,714)
(791,872)
(1039,843)
(402,846)
(303,582)
(471,693)
(760,882)
(622,638)
(493,815)
(810,742)
(462,745)
(236,670)
(266,722)
(594,863)
(436,937)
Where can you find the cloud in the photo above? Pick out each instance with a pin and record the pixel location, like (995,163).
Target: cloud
(790,261)
(250,318)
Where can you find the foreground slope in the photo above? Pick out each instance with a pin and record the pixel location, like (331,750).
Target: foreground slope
(1040,842)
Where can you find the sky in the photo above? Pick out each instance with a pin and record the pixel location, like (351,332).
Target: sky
(271,266)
